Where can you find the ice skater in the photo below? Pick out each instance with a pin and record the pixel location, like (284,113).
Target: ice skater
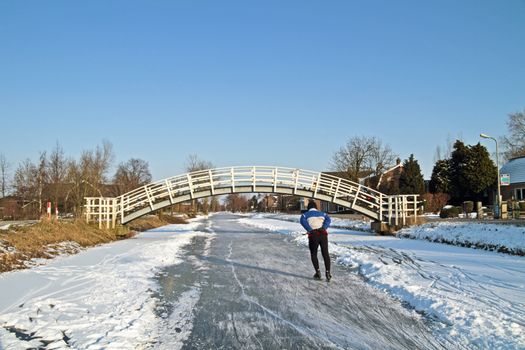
(316,223)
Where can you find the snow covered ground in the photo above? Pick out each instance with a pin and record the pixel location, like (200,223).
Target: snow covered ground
(477,298)
(102,297)
(359,225)
(97,299)
(506,238)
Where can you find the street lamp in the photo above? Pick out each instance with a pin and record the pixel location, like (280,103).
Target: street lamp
(498,200)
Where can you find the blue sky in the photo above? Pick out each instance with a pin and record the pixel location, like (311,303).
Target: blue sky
(256,82)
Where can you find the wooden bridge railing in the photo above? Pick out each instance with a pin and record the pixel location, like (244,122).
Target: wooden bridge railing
(251,179)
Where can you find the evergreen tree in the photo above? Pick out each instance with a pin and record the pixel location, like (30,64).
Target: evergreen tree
(472,172)
(480,171)
(458,163)
(440,179)
(411,179)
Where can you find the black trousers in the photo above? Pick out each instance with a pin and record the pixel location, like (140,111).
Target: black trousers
(313,243)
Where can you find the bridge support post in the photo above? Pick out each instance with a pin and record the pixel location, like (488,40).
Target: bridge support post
(101,210)
(380,227)
(88,207)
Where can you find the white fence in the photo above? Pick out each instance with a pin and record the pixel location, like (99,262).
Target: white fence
(251,179)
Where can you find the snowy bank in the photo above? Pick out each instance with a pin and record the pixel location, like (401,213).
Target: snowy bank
(497,237)
(99,298)
(349,224)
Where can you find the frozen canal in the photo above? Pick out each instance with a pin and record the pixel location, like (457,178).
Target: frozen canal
(252,289)
(212,284)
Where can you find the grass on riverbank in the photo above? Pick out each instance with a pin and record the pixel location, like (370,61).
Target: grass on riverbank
(153,221)
(22,246)
(46,239)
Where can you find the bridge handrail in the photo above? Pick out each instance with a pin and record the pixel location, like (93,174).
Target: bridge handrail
(245,179)
(255,176)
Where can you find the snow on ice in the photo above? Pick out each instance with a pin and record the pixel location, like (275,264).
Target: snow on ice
(475,297)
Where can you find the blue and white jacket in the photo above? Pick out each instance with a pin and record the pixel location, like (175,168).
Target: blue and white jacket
(314,219)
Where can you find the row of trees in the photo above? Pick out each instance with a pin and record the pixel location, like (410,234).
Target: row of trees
(465,173)
(262,203)
(66,181)
(367,157)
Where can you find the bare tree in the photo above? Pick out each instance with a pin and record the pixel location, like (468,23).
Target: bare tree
(438,155)
(88,175)
(193,163)
(101,160)
(215,205)
(76,193)
(25,182)
(382,158)
(132,174)
(42,179)
(57,172)
(514,143)
(363,154)
(4,175)
(235,202)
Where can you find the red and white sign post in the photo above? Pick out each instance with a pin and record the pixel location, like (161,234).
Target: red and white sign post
(49,210)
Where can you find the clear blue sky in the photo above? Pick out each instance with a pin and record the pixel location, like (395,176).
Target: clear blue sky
(256,82)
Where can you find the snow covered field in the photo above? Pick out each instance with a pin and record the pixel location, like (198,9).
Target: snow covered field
(477,298)
(99,298)
(505,238)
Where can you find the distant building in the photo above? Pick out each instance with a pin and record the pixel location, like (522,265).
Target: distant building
(11,208)
(515,168)
(387,183)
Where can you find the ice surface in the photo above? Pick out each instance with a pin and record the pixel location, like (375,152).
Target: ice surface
(477,297)
(103,296)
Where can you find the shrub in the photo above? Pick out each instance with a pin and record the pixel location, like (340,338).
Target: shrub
(434,201)
(468,207)
(452,212)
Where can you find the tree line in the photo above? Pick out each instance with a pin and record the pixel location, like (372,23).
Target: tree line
(65,181)
(465,172)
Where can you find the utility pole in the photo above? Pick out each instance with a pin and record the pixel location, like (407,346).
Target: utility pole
(497,211)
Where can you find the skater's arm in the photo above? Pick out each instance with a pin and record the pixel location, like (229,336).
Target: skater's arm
(305,223)
(327,221)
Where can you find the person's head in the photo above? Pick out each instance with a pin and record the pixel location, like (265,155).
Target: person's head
(312,204)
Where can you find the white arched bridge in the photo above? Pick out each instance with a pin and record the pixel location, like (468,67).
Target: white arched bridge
(381,208)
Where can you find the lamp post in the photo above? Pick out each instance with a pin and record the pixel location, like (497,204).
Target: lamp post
(498,200)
